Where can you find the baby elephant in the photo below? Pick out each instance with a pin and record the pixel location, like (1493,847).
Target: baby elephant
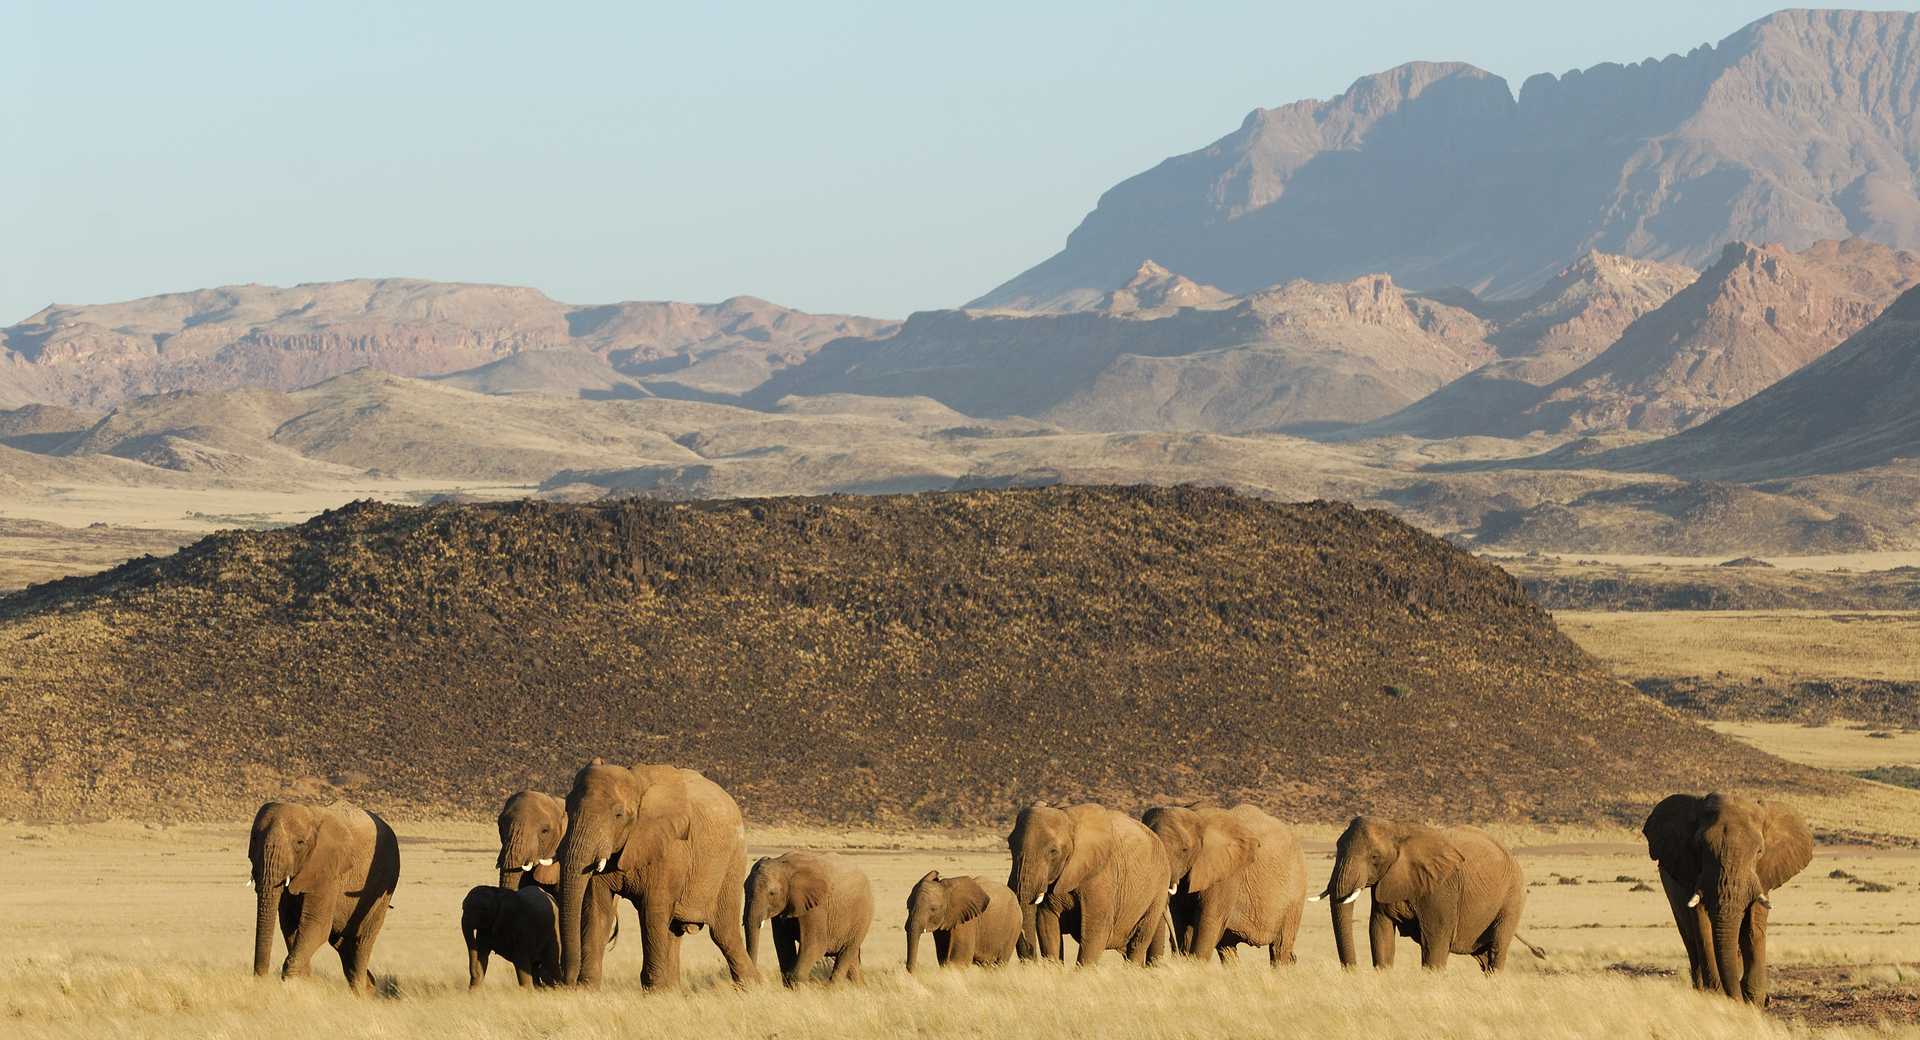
(972,921)
(522,926)
(821,906)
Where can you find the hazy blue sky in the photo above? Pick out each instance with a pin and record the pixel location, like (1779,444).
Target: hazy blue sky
(867,157)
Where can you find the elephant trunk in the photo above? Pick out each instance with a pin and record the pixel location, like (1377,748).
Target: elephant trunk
(263,925)
(916,924)
(1343,932)
(510,879)
(1028,945)
(1732,900)
(519,852)
(576,864)
(752,918)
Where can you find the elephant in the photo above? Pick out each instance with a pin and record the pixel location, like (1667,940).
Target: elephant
(668,840)
(327,873)
(1237,876)
(1452,890)
(531,826)
(521,925)
(821,906)
(1101,864)
(1720,858)
(972,921)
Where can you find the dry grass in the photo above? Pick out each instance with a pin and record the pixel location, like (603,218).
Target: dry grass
(88,955)
(1743,644)
(1847,748)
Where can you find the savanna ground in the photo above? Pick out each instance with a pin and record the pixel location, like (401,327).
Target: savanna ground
(142,930)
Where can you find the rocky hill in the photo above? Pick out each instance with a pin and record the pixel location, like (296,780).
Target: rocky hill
(274,338)
(1852,410)
(899,660)
(1797,128)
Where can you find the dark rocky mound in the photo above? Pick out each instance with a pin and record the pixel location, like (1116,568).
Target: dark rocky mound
(1747,561)
(909,660)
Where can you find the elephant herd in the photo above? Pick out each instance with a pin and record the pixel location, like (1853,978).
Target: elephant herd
(1197,880)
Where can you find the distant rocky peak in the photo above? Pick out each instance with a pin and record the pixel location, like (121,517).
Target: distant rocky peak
(1154,288)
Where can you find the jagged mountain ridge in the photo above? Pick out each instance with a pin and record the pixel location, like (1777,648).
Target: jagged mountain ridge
(1797,128)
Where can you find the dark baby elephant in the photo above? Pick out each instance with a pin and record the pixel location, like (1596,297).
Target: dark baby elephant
(522,926)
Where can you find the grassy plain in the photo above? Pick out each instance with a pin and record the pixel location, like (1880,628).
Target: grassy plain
(84,951)
(1751,644)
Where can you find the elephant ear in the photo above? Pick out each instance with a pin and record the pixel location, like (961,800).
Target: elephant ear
(1672,831)
(1092,848)
(805,890)
(1426,862)
(966,900)
(1787,846)
(1225,849)
(663,817)
(326,855)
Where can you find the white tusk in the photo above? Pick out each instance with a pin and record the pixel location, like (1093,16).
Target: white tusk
(1351,898)
(1695,901)
(1764,901)
(1316,899)
(288,883)
(1037,899)
(544,862)
(1171,889)
(601,867)
(526,866)
(249,882)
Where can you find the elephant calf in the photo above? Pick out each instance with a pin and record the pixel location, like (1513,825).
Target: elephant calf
(521,925)
(972,921)
(821,906)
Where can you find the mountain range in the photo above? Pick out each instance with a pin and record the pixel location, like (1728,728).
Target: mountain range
(1798,128)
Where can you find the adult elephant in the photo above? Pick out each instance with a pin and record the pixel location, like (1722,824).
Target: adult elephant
(1237,876)
(326,874)
(532,823)
(1452,890)
(1105,865)
(1720,857)
(669,841)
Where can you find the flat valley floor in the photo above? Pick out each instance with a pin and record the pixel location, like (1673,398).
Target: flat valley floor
(129,929)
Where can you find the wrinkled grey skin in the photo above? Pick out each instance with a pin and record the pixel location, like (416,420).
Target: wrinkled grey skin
(327,875)
(1720,859)
(521,925)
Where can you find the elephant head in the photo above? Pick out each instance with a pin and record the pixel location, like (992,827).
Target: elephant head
(1734,851)
(1055,851)
(632,820)
(1203,845)
(1401,862)
(779,886)
(940,904)
(532,823)
(295,849)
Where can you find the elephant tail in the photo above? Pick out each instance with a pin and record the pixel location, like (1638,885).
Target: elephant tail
(1531,948)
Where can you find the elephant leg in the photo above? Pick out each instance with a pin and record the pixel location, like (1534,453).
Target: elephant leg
(943,941)
(1753,948)
(1687,919)
(1380,938)
(1436,940)
(957,950)
(1096,924)
(786,945)
(659,946)
(476,965)
(1162,941)
(1211,925)
(314,927)
(356,951)
(729,931)
(1500,939)
(812,948)
(1047,926)
(1281,952)
(523,977)
(598,911)
(846,965)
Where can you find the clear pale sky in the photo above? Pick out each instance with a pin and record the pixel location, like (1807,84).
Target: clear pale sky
(835,155)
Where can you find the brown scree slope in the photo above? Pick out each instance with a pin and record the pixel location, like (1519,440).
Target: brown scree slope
(920,659)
